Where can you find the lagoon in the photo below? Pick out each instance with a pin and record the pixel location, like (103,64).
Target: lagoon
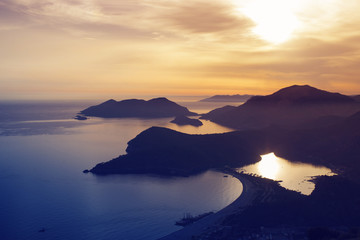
(292,176)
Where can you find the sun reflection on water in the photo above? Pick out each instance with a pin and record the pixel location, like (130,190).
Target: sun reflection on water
(269,166)
(294,176)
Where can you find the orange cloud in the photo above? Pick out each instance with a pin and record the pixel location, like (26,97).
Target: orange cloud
(205,17)
(172,46)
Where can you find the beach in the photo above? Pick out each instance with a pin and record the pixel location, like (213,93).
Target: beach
(250,192)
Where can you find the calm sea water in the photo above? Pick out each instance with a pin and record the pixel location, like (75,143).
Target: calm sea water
(293,176)
(42,155)
(43,152)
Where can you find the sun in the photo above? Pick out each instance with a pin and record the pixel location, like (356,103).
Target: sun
(275,21)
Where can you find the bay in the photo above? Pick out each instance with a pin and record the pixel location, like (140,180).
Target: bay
(42,154)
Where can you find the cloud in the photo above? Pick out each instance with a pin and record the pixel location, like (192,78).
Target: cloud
(205,17)
(11,18)
(313,61)
(162,20)
(87,19)
(204,44)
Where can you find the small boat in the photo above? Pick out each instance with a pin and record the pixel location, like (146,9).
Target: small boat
(189,219)
(80,118)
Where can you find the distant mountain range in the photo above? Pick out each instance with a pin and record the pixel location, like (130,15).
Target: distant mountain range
(356,98)
(326,133)
(227,98)
(289,106)
(154,108)
(298,123)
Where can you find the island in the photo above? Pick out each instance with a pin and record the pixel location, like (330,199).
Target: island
(137,108)
(288,107)
(227,98)
(183,120)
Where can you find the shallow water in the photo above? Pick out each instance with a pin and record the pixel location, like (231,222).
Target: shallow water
(293,176)
(42,184)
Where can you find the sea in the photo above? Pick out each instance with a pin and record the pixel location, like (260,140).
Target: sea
(45,194)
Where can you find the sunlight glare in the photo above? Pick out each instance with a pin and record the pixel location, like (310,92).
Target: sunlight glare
(269,166)
(275,20)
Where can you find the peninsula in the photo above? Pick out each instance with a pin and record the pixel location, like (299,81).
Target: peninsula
(153,108)
(164,151)
(167,152)
(327,134)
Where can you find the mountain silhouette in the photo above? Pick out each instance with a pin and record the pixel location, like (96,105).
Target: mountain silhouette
(328,133)
(168,152)
(227,98)
(356,98)
(289,106)
(154,108)
(332,145)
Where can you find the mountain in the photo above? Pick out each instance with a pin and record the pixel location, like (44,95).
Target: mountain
(154,108)
(333,203)
(356,98)
(289,106)
(168,152)
(336,144)
(227,98)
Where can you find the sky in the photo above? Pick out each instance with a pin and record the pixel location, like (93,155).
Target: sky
(77,49)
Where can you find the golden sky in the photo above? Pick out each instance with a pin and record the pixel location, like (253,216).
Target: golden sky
(122,48)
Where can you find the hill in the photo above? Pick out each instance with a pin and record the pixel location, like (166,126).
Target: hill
(154,108)
(227,98)
(167,152)
(356,98)
(289,106)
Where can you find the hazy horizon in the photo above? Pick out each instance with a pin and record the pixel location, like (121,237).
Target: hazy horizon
(181,98)
(66,49)
(119,97)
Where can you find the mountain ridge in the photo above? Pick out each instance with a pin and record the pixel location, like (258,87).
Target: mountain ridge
(153,108)
(289,106)
(336,146)
(227,98)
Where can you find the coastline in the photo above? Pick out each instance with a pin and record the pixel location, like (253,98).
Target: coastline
(249,193)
